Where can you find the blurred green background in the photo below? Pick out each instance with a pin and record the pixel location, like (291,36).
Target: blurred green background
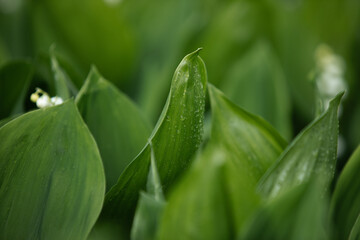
(259,52)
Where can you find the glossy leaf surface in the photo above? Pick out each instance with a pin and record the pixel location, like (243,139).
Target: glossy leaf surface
(52,181)
(297,165)
(175,138)
(218,194)
(119,128)
(346,199)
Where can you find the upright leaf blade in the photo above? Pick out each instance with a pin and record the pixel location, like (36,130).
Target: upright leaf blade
(345,205)
(175,139)
(150,207)
(60,77)
(202,206)
(254,143)
(51,177)
(312,153)
(355,231)
(197,208)
(115,121)
(295,215)
(218,194)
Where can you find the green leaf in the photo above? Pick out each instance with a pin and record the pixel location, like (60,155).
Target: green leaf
(254,142)
(150,207)
(15,77)
(295,215)
(201,206)
(175,138)
(257,83)
(52,181)
(312,153)
(345,203)
(120,130)
(355,231)
(61,78)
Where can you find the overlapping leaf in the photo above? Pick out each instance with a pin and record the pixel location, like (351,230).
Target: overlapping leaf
(355,231)
(51,177)
(202,206)
(62,81)
(150,206)
(312,153)
(218,194)
(345,204)
(174,139)
(295,215)
(249,138)
(198,209)
(115,121)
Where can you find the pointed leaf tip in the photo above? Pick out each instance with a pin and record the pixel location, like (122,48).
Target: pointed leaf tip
(295,165)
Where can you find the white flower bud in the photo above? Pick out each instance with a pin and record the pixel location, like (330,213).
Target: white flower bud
(43,101)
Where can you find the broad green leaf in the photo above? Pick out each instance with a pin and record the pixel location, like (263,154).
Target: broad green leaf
(295,215)
(312,153)
(150,206)
(175,138)
(257,83)
(355,231)
(345,203)
(52,181)
(91,32)
(201,206)
(249,138)
(116,123)
(15,77)
(249,142)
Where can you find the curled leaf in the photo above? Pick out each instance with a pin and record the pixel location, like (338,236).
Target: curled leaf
(175,138)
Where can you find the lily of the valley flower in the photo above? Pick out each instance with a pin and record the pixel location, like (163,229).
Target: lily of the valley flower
(43,100)
(330,69)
